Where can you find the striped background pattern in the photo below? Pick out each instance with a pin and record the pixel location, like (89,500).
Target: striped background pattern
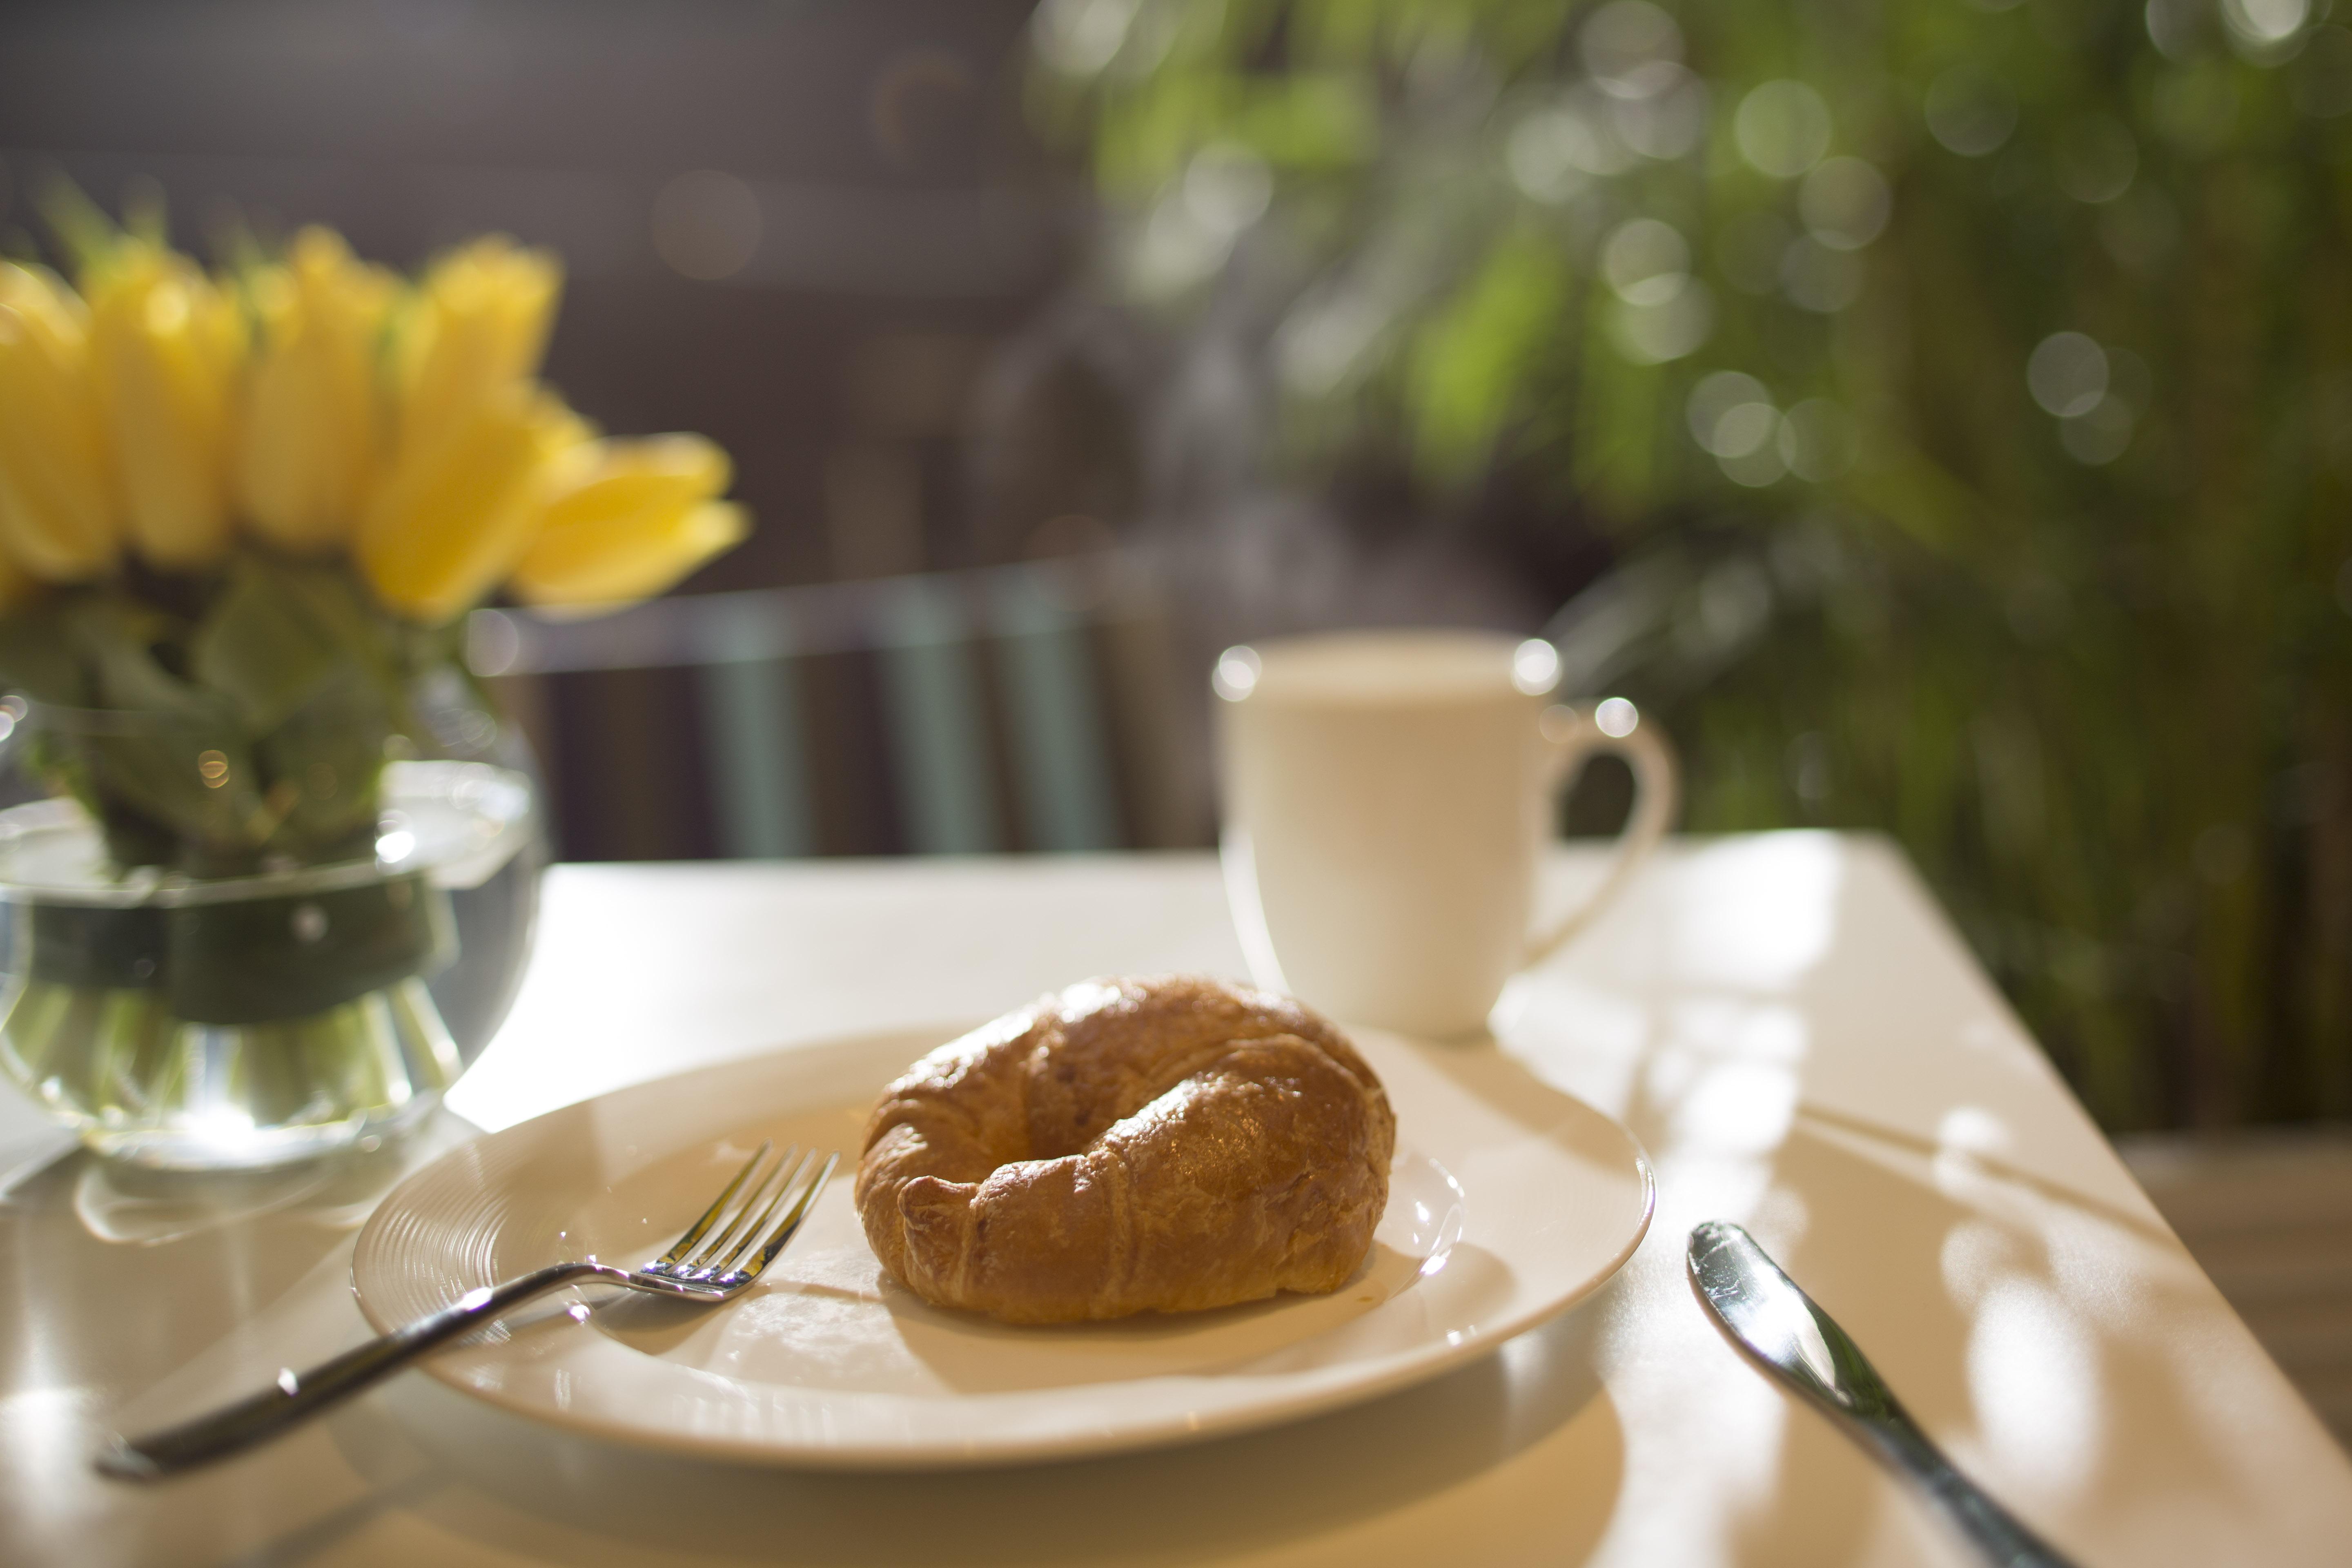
(2268,1216)
(1025,708)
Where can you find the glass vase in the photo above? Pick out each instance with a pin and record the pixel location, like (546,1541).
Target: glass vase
(186,1002)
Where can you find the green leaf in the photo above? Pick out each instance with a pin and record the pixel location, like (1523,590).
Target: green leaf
(1470,364)
(36,660)
(324,765)
(82,228)
(265,644)
(258,960)
(118,639)
(175,756)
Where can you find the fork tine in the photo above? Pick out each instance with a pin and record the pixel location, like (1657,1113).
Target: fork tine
(791,1223)
(759,1228)
(701,1263)
(694,1232)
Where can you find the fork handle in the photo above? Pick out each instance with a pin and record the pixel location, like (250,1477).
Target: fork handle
(297,1396)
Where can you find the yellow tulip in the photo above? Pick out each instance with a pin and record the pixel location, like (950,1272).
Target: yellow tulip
(311,444)
(58,516)
(452,518)
(637,517)
(478,327)
(165,347)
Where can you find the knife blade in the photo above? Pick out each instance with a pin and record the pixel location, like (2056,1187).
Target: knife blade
(1778,1326)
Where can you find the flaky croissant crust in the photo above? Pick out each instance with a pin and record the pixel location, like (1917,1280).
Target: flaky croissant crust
(1129,1145)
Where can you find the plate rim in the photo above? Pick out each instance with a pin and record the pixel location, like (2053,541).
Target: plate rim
(1403,1371)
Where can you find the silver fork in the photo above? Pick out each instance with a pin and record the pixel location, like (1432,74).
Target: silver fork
(749,1235)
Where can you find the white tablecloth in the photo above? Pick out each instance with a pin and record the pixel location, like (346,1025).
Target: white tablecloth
(1784,1020)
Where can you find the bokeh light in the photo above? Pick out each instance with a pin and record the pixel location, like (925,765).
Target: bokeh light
(2067,373)
(1969,113)
(705,225)
(1846,203)
(1782,128)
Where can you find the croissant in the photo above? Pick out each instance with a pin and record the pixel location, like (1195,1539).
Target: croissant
(1129,1145)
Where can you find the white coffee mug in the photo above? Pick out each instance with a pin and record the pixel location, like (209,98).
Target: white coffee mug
(1386,797)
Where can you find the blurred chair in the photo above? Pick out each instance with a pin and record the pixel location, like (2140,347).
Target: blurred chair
(1024,708)
(2267,1214)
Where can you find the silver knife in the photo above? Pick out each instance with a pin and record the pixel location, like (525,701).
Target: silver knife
(1801,1346)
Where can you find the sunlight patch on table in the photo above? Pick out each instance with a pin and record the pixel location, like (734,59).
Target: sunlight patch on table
(2033,1375)
(1759,913)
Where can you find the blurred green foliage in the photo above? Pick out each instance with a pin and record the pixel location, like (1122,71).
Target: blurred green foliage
(1965,392)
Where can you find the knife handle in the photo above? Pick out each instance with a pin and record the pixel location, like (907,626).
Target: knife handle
(1793,1342)
(1995,1532)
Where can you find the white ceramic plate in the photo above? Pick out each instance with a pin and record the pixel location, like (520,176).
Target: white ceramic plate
(1509,1201)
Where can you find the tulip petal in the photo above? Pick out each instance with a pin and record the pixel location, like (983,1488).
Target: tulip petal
(609,562)
(166,345)
(650,473)
(452,518)
(477,329)
(309,446)
(58,515)
(635,517)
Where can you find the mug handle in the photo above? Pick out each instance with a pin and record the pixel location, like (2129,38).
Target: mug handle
(1574,735)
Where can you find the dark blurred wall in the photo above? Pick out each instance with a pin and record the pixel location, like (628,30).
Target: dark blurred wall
(796,227)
